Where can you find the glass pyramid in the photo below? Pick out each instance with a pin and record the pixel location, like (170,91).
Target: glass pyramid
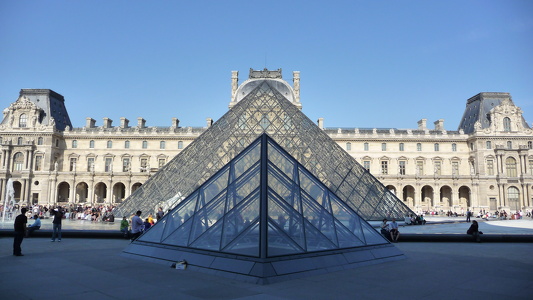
(265,110)
(263,203)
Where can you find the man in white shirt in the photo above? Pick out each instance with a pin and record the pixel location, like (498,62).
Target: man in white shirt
(394,233)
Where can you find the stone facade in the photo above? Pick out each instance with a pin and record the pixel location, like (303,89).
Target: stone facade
(485,164)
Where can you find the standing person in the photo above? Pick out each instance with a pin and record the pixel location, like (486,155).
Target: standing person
(20,231)
(136,226)
(159,214)
(468,213)
(58,216)
(394,232)
(124,225)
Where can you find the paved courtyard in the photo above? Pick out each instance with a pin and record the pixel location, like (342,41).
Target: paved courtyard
(93,269)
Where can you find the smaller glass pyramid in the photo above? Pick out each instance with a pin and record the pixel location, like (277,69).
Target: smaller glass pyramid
(263,204)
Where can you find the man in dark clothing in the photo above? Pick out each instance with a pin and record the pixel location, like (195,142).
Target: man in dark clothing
(20,232)
(56,223)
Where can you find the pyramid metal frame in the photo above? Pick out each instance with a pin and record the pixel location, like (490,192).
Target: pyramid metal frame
(240,214)
(266,110)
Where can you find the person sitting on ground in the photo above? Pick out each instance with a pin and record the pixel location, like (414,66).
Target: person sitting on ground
(35,226)
(385,228)
(421,220)
(474,231)
(394,232)
(407,220)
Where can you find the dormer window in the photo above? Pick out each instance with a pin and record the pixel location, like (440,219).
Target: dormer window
(23,121)
(506,124)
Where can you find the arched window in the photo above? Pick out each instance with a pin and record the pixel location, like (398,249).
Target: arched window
(91,144)
(18,161)
(109,144)
(145,144)
(513,195)
(162,145)
(40,141)
(436,147)
(74,144)
(348,146)
(506,124)
(19,141)
(23,120)
(366,146)
(510,164)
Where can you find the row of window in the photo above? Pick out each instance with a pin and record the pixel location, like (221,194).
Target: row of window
(401,147)
(109,144)
(419,167)
(509,145)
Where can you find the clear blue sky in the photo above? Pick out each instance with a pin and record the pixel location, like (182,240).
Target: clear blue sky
(362,63)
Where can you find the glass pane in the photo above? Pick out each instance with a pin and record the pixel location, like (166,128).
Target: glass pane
(181,215)
(240,218)
(286,218)
(319,218)
(280,160)
(315,240)
(247,243)
(213,188)
(210,240)
(154,233)
(279,243)
(372,237)
(313,188)
(208,215)
(179,237)
(245,162)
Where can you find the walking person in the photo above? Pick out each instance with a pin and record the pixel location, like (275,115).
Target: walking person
(20,231)
(58,217)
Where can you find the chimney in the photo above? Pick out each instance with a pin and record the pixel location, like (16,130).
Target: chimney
(124,122)
(234,84)
(141,122)
(90,122)
(209,122)
(422,124)
(175,123)
(439,124)
(320,123)
(107,122)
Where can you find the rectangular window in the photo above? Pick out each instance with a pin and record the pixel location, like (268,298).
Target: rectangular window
(108,164)
(437,146)
(72,166)
(438,168)
(161,162)
(454,147)
(38,163)
(144,164)
(366,164)
(530,165)
(90,164)
(180,145)
(489,145)
(490,167)
(401,147)
(127,144)
(366,146)
(383,146)
(455,168)
(384,167)
(420,168)
(418,147)
(126,165)
(162,145)
(402,167)
(145,144)
(348,146)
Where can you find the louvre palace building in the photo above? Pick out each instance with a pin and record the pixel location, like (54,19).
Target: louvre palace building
(486,163)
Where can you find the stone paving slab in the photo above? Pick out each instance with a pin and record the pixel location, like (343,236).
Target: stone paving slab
(94,269)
